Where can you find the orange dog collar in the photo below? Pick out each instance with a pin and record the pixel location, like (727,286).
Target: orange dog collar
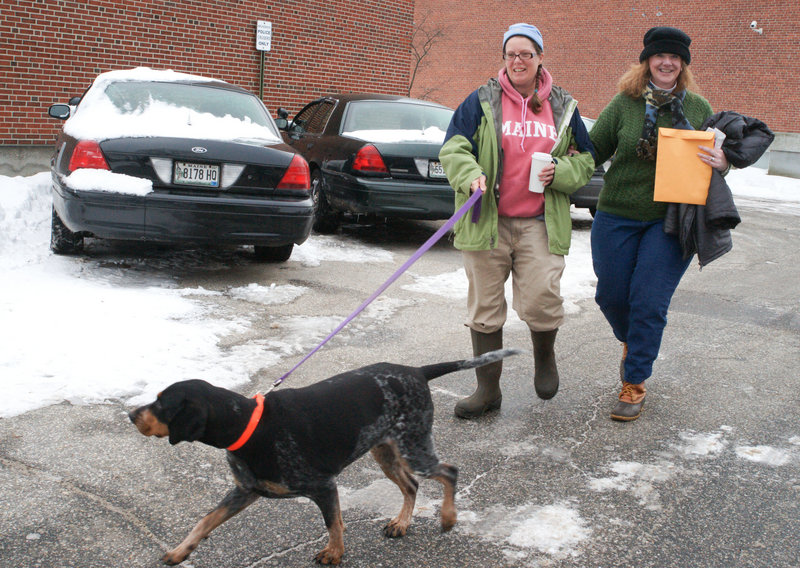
(251,426)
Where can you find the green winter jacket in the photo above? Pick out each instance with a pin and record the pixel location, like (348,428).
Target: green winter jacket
(630,181)
(473,147)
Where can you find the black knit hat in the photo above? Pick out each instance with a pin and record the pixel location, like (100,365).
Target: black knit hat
(666,40)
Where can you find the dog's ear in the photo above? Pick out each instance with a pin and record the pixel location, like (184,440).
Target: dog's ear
(188,424)
(168,405)
(184,416)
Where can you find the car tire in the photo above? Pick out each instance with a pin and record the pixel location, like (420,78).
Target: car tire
(326,220)
(62,240)
(273,254)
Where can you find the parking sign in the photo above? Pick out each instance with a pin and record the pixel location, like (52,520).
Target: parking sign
(263,35)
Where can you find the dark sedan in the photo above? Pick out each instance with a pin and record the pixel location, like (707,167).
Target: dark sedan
(160,156)
(372,155)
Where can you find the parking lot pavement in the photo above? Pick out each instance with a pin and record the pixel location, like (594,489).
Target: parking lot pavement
(708,476)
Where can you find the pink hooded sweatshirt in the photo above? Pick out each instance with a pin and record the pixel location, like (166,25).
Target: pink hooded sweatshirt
(524,132)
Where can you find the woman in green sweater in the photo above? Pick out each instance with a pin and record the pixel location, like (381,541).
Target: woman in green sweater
(638,266)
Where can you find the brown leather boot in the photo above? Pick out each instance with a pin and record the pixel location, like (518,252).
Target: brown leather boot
(545,375)
(487,396)
(631,400)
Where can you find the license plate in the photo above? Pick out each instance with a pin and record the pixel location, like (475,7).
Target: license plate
(187,173)
(435,170)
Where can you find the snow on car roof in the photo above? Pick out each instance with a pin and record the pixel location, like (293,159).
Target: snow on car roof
(148,74)
(98,118)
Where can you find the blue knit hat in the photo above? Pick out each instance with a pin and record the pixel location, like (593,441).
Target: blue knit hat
(527,30)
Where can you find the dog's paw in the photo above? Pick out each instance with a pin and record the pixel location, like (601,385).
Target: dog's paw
(448,522)
(329,556)
(395,529)
(174,557)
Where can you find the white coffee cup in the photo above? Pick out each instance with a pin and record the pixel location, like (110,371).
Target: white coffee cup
(538,161)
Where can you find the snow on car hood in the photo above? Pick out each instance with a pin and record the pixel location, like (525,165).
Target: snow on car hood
(98,119)
(432,135)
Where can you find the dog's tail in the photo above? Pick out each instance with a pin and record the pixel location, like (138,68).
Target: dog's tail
(430,372)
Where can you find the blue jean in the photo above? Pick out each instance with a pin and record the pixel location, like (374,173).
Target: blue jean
(638,268)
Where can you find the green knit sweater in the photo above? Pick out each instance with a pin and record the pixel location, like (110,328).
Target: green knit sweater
(628,183)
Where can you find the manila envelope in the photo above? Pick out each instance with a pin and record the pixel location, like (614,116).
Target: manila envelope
(680,175)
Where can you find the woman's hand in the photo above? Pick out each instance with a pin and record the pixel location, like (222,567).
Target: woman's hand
(547,174)
(714,158)
(479,182)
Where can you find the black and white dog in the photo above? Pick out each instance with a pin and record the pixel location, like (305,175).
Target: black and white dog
(295,442)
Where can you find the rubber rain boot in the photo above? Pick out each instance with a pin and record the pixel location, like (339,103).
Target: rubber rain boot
(487,395)
(545,376)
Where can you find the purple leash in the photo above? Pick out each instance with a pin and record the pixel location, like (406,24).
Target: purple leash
(474,198)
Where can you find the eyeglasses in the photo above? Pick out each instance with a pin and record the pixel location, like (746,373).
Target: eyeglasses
(524,56)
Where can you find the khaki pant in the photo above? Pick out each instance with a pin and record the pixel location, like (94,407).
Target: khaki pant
(521,251)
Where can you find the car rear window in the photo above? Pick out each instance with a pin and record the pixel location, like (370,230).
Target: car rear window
(136,96)
(153,108)
(391,121)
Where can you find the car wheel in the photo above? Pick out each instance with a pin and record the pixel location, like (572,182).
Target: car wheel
(62,240)
(326,220)
(273,254)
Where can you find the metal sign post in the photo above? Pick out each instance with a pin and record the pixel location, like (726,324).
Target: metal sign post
(263,43)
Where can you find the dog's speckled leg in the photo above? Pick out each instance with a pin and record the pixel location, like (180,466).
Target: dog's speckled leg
(234,502)
(396,469)
(328,503)
(447,475)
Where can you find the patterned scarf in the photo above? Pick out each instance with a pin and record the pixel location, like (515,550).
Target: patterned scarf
(655,99)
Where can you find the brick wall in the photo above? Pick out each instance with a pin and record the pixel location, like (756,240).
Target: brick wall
(52,49)
(589,44)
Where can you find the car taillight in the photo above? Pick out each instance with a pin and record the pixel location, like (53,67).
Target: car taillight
(297,175)
(87,154)
(368,159)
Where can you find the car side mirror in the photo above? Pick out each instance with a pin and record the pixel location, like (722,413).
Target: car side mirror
(74,101)
(282,123)
(59,111)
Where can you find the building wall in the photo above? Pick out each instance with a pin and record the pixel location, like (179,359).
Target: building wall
(52,49)
(590,44)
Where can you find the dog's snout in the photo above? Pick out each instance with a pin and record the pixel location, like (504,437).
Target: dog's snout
(147,423)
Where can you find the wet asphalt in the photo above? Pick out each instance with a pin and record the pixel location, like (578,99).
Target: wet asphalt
(709,476)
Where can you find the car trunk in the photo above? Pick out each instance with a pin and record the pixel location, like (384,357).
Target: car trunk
(413,161)
(240,168)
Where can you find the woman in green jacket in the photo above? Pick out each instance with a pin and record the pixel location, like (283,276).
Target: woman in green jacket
(638,265)
(520,231)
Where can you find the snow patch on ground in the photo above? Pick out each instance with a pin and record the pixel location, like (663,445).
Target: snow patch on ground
(700,445)
(764,454)
(451,285)
(267,295)
(556,529)
(318,249)
(638,479)
(383,497)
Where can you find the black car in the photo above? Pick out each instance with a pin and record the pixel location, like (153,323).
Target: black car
(166,157)
(587,196)
(372,155)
